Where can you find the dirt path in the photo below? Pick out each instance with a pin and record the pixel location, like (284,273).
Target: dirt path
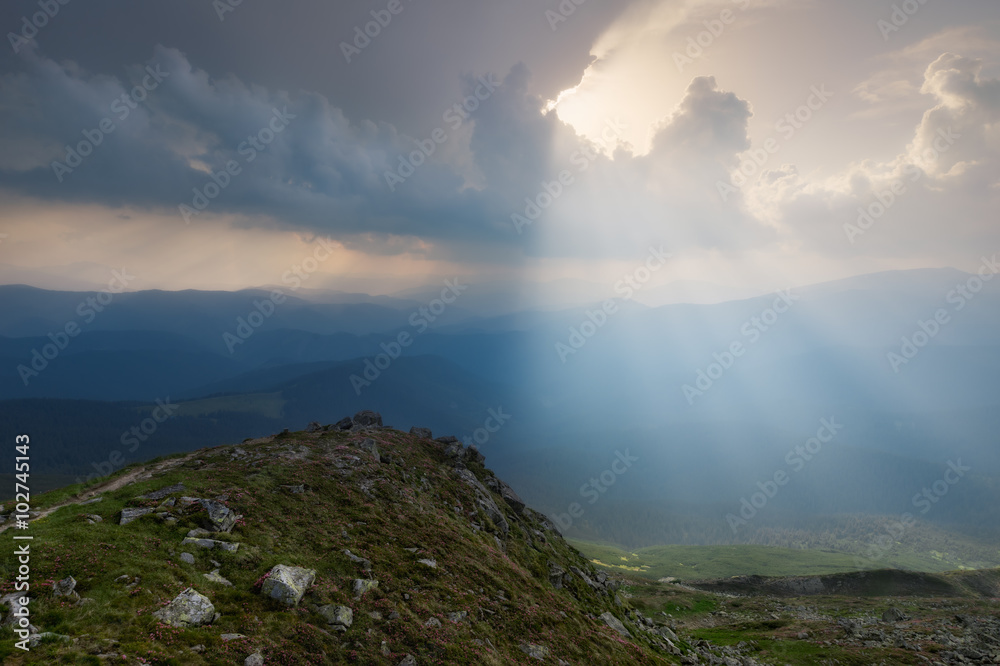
(140,473)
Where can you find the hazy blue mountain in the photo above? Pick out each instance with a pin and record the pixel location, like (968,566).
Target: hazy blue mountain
(580,385)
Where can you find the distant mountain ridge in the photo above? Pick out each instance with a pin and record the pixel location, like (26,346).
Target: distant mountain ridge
(626,383)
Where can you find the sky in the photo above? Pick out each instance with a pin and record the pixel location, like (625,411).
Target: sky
(761,143)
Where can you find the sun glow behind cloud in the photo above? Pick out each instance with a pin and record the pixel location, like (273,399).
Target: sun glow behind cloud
(631,77)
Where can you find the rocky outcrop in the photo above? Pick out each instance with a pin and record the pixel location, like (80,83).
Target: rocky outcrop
(484,499)
(419,499)
(369,446)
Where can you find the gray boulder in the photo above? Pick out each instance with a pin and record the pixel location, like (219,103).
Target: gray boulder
(615,624)
(218,516)
(13,603)
(365,564)
(512,498)
(539,652)
(130,514)
(188,609)
(363,585)
(338,616)
(556,574)
(422,433)
(667,633)
(35,639)
(164,492)
(288,584)
(593,584)
(893,614)
(256,659)
(371,446)
(214,577)
(65,588)
(209,544)
(367,418)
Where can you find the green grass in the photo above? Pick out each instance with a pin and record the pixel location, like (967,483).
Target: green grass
(700,562)
(772,633)
(377,510)
(270,405)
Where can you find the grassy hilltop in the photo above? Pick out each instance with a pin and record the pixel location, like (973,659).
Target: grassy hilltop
(358,543)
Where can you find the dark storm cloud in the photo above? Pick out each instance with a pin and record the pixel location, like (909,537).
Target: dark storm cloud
(298,158)
(404,77)
(170,136)
(226,74)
